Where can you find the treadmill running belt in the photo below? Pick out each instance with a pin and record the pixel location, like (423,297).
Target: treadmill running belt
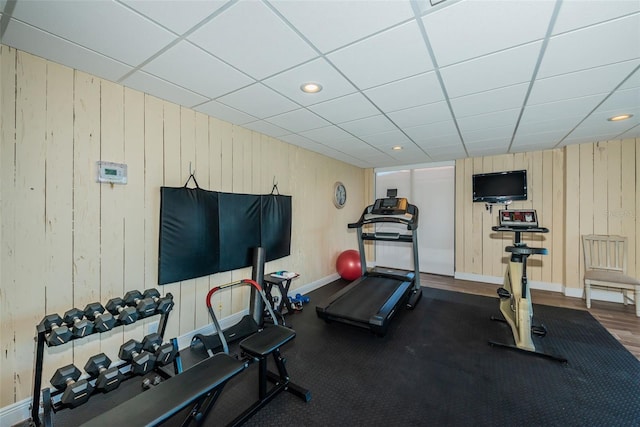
(365,299)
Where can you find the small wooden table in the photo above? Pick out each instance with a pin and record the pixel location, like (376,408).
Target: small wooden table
(283,285)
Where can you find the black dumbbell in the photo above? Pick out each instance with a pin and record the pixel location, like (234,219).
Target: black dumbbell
(59,333)
(144,306)
(80,327)
(107,378)
(163,304)
(102,321)
(126,315)
(164,353)
(141,361)
(76,392)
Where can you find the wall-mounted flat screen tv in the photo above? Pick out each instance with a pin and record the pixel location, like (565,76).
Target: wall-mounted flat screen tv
(500,187)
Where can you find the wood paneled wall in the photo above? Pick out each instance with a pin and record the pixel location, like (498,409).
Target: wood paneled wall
(67,240)
(577,190)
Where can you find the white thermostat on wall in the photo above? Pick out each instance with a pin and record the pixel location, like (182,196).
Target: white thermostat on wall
(115,173)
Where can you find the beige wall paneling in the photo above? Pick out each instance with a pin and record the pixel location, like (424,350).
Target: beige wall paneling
(202,169)
(614,185)
(628,197)
(133,205)
(586,195)
(636,213)
(467,228)
(153,180)
(600,187)
(9,286)
(557,241)
(226,185)
(173,178)
(535,201)
(475,238)
(572,218)
(187,167)
(58,274)
(112,214)
(460,177)
(86,203)
(29,298)
(546,215)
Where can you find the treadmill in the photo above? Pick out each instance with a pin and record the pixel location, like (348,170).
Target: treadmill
(371,300)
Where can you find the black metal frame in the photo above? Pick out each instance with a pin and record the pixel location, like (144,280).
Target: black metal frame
(51,399)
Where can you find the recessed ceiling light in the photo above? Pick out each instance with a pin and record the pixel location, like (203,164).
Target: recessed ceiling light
(311,87)
(620,117)
(397,148)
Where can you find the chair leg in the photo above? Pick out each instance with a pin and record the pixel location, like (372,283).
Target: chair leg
(625,297)
(587,294)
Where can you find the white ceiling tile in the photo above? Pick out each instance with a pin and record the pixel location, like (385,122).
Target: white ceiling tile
(298,140)
(368,125)
(490,135)
(353,146)
(489,120)
(49,46)
(538,140)
(221,111)
(471,29)
(326,134)
(262,44)
(311,17)
(621,101)
(345,109)
(422,115)
(633,81)
(602,44)
(433,131)
(559,124)
(387,139)
(378,59)
(162,89)
(479,150)
(319,71)
(576,107)
(634,132)
(298,120)
(493,71)
(177,15)
(504,98)
(88,22)
(453,150)
(258,101)
(600,80)
(597,124)
(410,92)
(195,69)
(266,128)
(576,14)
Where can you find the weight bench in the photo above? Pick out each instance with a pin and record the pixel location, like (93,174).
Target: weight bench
(200,385)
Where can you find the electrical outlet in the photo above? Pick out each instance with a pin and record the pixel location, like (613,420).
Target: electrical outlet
(152,327)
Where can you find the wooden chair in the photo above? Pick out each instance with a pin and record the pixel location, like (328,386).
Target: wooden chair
(605,260)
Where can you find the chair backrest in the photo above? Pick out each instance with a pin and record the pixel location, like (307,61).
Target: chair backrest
(604,252)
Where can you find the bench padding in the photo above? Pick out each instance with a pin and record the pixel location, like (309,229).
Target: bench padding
(266,341)
(169,397)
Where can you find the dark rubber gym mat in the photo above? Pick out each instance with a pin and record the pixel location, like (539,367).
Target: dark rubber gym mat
(434,367)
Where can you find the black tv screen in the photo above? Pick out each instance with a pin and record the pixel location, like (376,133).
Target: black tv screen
(500,187)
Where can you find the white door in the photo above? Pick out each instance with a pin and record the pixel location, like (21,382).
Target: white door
(432,190)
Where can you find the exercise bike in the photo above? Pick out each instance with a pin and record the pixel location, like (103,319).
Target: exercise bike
(515,296)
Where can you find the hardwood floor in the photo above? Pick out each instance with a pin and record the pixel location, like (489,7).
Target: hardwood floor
(620,320)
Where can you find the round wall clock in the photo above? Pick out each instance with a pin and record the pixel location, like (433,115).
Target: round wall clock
(339,195)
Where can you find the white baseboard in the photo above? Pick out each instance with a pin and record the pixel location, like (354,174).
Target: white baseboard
(544,286)
(15,413)
(20,411)
(596,294)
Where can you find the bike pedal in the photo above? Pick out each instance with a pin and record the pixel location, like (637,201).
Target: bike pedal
(503,293)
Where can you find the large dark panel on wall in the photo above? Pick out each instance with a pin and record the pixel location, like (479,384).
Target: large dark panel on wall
(189,236)
(239,222)
(276,226)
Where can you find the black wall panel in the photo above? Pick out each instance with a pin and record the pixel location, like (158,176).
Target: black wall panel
(204,232)
(189,235)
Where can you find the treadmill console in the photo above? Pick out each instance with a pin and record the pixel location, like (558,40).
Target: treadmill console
(390,206)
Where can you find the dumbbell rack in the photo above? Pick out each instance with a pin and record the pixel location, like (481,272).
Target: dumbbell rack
(47,395)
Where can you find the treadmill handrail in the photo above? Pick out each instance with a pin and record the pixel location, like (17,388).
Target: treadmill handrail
(411,222)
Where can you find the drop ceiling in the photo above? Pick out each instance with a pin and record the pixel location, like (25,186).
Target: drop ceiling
(444,80)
